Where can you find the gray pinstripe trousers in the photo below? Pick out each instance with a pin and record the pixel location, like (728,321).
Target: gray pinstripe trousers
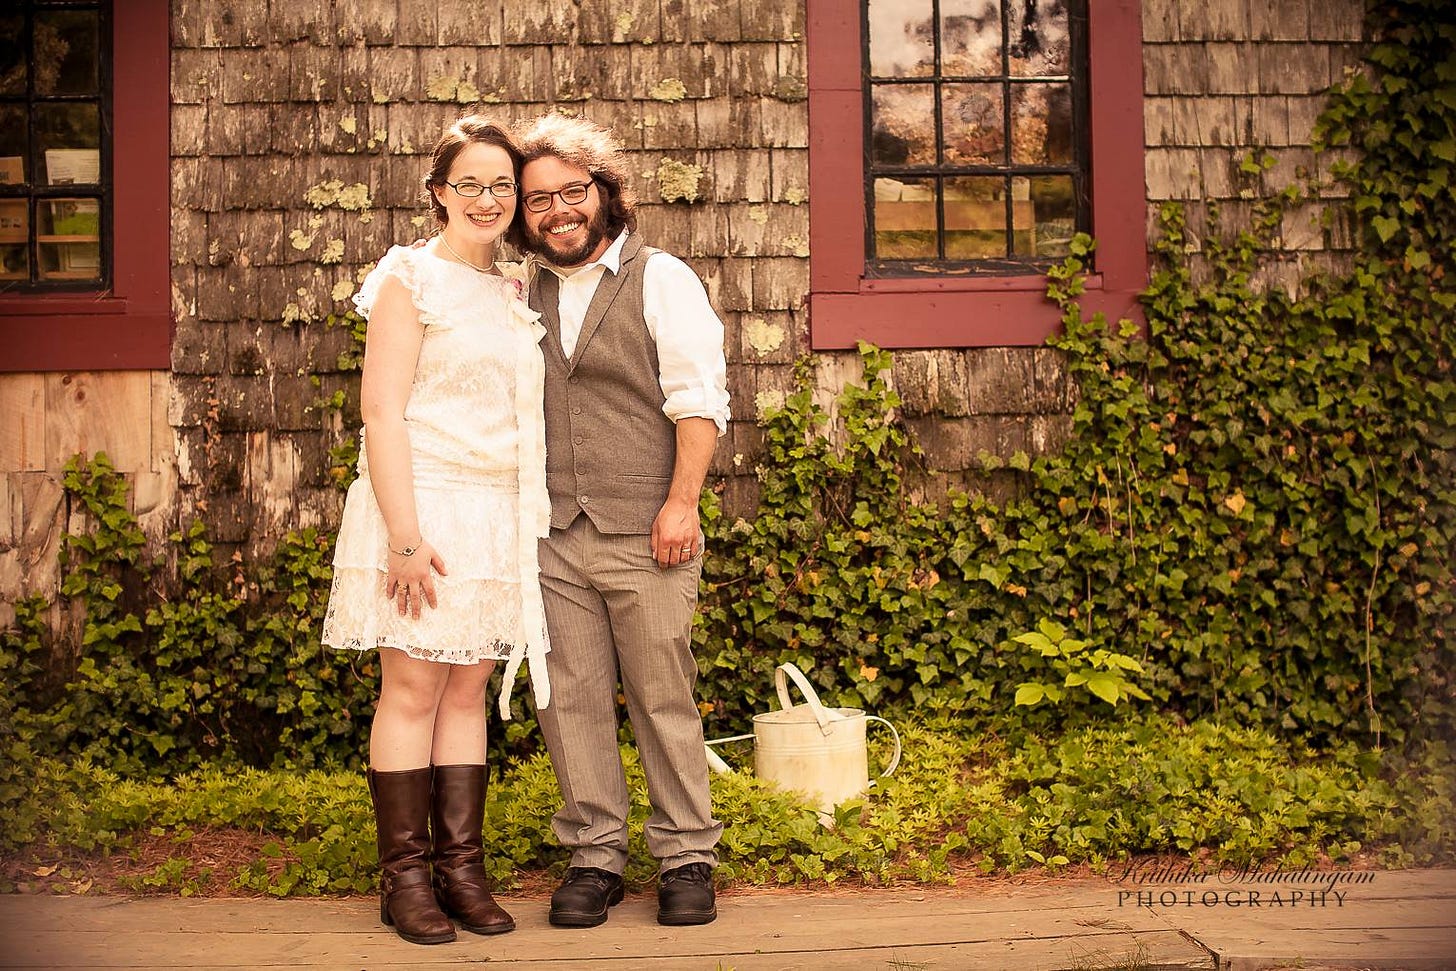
(610,608)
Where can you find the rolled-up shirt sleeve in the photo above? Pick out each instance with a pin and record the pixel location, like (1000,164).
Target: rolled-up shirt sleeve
(689,337)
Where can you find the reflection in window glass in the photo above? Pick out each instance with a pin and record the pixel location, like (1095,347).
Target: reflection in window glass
(970,38)
(69,234)
(1041,124)
(1040,39)
(14,144)
(904,219)
(902,44)
(973,124)
(900,134)
(1053,199)
(12,55)
(66,44)
(68,141)
(975,218)
(14,239)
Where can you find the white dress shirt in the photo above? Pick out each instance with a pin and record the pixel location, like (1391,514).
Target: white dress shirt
(688,334)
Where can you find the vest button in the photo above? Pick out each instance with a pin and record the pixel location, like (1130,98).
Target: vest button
(576,409)
(577,440)
(583,500)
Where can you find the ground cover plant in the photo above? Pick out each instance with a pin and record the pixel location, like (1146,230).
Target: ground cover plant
(1093,797)
(1246,547)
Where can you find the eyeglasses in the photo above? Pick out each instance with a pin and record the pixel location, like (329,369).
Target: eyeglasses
(570,195)
(470,190)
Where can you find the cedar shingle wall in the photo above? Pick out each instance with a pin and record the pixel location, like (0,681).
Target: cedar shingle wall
(299,133)
(1224,78)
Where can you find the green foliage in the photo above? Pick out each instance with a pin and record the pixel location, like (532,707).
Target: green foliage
(1257,504)
(344,457)
(1099,672)
(226,669)
(1094,795)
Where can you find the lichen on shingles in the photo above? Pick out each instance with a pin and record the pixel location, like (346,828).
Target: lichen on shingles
(768,401)
(445,88)
(678,180)
(668,89)
(762,336)
(333,192)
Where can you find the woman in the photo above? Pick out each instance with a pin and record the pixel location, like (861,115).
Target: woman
(436,560)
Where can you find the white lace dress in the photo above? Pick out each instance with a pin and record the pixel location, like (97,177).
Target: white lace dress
(477,442)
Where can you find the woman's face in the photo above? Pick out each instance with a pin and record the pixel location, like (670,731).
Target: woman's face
(479,218)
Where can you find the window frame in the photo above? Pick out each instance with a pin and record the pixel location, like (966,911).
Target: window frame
(847,304)
(128,324)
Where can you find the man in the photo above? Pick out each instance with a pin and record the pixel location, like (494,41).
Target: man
(635,402)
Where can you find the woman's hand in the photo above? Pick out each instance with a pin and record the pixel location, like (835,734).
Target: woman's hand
(410,581)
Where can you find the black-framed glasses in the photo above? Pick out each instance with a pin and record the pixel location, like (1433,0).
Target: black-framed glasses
(570,195)
(471,190)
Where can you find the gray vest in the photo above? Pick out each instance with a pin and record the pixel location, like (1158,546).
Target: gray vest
(609,448)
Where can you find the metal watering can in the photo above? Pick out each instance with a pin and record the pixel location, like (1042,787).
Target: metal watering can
(809,748)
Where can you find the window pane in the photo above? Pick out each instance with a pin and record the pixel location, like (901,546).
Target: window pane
(973,124)
(903,125)
(14,147)
(14,229)
(901,42)
(66,52)
(1041,124)
(69,233)
(1040,39)
(68,137)
(970,38)
(975,217)
(1047,219)
(12,55)
(904,219)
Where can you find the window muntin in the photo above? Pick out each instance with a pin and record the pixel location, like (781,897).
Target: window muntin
(976,140)
(55,205)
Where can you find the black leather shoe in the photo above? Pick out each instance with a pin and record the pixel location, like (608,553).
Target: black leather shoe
(685,895)
(584,896)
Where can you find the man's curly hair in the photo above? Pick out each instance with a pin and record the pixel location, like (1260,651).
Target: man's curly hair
(587,146)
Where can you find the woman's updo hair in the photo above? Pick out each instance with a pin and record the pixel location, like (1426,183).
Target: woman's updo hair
(471,128)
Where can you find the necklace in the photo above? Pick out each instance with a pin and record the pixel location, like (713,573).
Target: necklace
(446,243)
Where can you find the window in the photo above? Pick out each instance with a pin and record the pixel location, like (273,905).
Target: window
(977,155)
(54,116)
(955,147)
(84,213)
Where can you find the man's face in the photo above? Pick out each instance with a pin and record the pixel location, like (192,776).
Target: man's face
(567,234)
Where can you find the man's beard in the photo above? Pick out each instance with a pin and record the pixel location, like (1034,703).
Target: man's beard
(544,244)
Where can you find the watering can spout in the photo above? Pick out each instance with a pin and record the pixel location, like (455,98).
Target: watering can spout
(715,762)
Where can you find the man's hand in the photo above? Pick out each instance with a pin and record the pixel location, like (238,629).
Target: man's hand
(675,533)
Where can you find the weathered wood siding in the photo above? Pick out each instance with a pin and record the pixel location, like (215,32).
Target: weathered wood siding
(299,134)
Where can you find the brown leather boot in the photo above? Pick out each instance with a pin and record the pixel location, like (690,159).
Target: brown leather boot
(402,818)
(460,881)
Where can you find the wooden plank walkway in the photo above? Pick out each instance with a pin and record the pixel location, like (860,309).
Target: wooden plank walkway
(1400,920)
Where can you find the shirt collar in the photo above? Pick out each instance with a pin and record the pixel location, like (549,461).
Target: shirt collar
(611,258)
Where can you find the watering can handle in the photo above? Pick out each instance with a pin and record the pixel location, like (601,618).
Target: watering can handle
(895,759)
(790,670)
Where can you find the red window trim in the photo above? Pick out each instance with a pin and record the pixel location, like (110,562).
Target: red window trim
(845,307)
(130,325)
